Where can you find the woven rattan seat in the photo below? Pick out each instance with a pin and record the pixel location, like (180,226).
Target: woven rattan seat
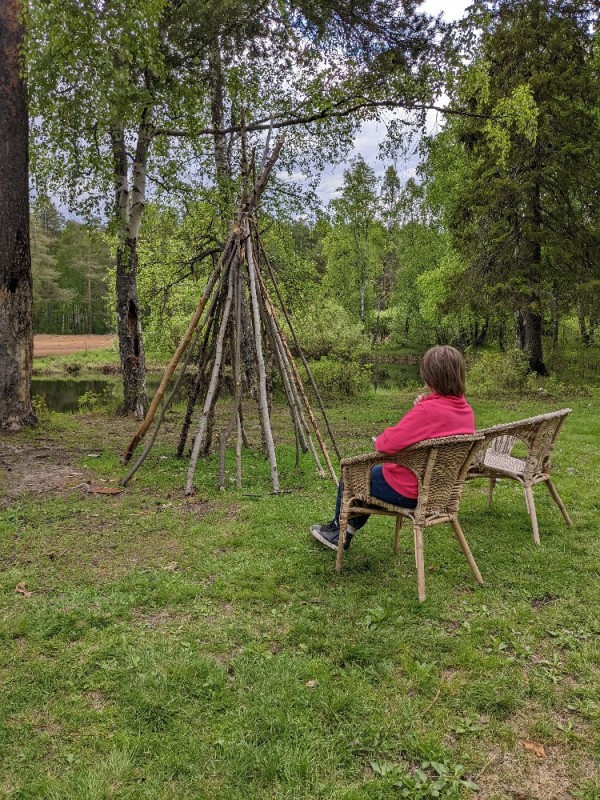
(493,458)
(440,466)
(500,462)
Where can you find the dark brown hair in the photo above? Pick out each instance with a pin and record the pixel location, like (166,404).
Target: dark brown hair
(443,370)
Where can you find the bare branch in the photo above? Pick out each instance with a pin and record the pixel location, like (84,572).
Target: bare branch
(331,112)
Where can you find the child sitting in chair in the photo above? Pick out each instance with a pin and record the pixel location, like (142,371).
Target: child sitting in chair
(443,411)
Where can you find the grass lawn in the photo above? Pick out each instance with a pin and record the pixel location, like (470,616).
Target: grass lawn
(205,648)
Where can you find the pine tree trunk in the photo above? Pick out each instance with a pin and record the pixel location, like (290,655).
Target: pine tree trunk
(532,317)
(532,322)
(217,110)
(501,336)
(16,299)
(555,324)
(583,329)
(89,292)
(520,330)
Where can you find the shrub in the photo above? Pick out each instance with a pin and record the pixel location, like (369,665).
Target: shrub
(40,407)
(501,374)
(551,388)
(337,379)
(91,401)
(498,374)
(327,330)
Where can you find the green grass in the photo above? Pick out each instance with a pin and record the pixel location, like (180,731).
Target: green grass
(206,648)
(84,361)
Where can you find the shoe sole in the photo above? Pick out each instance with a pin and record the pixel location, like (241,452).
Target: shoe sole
(319,538)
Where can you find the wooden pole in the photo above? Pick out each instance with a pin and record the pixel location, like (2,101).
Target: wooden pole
(238,379)
(291,393)
(206,349)
(140,433)
(300,385)
(263,407)
(300,425)
(298,347)
(204,359)
(210,395)
(236,351)
(161,416)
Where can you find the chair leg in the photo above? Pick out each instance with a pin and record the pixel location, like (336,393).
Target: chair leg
(415,546)
(397,533)
(466,550)
(559,502)
(341,539)
(491,491)
(532,513)
(420,559)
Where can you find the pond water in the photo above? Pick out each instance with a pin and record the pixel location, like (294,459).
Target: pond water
(74,394)
(71,394)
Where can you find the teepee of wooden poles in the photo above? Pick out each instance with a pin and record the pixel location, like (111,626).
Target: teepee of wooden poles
(235,325)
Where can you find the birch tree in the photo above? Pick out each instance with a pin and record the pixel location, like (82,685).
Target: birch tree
(150,92)
(354,246)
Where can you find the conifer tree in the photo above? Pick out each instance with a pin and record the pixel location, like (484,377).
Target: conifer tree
(521,208)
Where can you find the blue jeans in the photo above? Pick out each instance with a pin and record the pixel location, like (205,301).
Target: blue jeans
(379,489)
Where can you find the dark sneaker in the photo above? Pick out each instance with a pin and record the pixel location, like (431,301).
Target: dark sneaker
(329,535)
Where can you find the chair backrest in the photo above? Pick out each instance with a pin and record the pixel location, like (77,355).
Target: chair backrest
(538,433)
(440,466)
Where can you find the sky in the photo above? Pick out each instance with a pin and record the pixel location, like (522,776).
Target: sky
(372,134)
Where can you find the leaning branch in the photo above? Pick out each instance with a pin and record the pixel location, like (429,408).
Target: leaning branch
(173,364)
(331,112)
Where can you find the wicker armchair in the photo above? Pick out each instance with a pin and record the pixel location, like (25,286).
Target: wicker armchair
(440,466)
(493,459)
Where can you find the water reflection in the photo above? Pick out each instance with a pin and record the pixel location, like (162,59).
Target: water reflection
(395,376)
(64,394)
(75,394)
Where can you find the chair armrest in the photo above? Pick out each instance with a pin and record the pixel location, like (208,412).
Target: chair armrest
(356,471)
(522,425)
(538,434)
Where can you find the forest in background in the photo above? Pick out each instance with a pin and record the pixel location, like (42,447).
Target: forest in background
(70,263)
(494,245)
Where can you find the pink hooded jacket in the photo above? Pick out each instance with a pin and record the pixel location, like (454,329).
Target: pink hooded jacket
(434,416)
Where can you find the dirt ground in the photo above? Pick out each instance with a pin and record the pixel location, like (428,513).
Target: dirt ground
(38,470)
(45,344)
(50,464)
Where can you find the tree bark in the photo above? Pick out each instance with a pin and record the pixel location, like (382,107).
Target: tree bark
(16,298)
(555,323)
(583,329)
(129,208)
(532,324)
(129,330)
(217,109)
(520,330)
(532,316)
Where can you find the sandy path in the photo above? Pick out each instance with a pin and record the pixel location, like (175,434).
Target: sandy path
(45,344)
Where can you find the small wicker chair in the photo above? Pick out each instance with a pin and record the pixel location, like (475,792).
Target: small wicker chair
(493,459)
(440,466)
